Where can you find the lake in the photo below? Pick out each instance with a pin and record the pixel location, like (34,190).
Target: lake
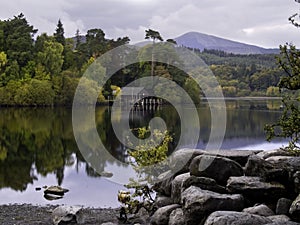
(38,148)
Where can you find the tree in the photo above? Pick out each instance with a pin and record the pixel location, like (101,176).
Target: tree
(51,57)
(288,126)
(18,39)
(152,34)
(59,33)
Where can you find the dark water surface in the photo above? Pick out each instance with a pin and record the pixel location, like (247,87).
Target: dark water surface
(37,148)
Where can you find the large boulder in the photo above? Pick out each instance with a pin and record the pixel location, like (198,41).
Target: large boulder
(204,183)
(235,218)
(161,216)
(295,209)
(239,156)
(279,219)
(257,166)
(182,158)
(283,206)
(161,201)
(255,190)
(177,187)
(276,152)
(164,184)
(177,217)
(198,204)
(218,168)
(261,210)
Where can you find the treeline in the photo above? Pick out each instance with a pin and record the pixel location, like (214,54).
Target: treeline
(244,75)
(44,70)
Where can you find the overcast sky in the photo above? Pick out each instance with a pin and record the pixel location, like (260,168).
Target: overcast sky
(260,22)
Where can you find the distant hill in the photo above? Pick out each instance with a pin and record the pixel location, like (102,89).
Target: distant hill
(203,41)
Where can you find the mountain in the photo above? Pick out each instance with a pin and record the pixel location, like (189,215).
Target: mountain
(203,41)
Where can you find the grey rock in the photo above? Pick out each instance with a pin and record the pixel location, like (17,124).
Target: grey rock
(261,210)
(296,180)
(235,218)
(142,216)
(182,158)
(295,209)
(279,159)
(161,201)
(283,223)
(177,187)
(55,190)
(255,190)
(164,183)
(109,223)
(271,153)
(217,168)
(269,171)
(279,218)
(176,217)
(67,214)
(198,203)
(239,156)
(283,205)
(204,183)
(161,216)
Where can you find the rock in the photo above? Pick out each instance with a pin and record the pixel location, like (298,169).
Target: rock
(141,217)
(295,209)
(204,183)
(235,218)
(283,205)
(181,159)
(279,218)
(176,217)
(259,167)
(198,203)
(278,159)
(106,174)
(161,201)
(261,210)
(255,190)
(239,156)
(161,216)
(218,168)
(276,152)
(164,185)
(177,187)
(67,214)
(296,179)
(109,223)
(55,190)
(283,223)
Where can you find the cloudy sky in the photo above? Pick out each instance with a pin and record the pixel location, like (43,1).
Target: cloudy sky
(260,22)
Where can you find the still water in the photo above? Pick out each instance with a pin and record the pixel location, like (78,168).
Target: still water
(38,148)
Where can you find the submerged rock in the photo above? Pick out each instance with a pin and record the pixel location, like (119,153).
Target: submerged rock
(55,190)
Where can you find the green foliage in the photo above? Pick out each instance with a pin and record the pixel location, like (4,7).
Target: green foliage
(143,156)
(59,33)
(288,126)
(51,57)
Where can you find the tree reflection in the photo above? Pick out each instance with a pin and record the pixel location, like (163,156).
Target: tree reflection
(40,141)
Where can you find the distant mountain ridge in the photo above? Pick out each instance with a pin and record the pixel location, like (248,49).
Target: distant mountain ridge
(204,41)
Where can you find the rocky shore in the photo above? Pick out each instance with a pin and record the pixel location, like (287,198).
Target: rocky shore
(212,188)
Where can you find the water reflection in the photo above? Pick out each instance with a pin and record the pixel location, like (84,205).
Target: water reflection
(36,144)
